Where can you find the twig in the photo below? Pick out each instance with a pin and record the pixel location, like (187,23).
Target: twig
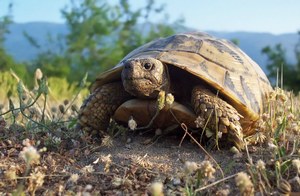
(214,183)
(184,127)
(24,107)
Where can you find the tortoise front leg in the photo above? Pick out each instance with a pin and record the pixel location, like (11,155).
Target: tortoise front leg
(220,115)
(99,107)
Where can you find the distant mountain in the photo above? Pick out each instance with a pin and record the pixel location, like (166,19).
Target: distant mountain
(250,42)
(19,47)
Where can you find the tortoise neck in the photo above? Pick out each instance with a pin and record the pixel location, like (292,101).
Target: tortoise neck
(166,85)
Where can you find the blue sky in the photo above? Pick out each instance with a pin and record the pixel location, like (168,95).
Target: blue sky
(273,16)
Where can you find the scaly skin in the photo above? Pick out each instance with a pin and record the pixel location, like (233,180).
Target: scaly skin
(97,109)
(220,115)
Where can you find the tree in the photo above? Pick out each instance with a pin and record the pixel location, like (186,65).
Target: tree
(278,65)
(6,61)
(100,35)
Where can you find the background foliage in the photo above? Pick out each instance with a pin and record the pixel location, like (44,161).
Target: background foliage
(100,35)
(280,70)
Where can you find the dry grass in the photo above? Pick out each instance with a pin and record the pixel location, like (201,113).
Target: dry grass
(43,153)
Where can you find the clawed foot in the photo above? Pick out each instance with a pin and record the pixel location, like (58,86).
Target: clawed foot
(216,114)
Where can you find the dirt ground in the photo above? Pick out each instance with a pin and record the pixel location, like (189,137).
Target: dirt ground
(126,167)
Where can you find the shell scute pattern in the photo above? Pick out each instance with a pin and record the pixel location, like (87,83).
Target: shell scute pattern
(218,62)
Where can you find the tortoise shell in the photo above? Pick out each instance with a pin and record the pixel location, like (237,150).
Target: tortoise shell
(218,62)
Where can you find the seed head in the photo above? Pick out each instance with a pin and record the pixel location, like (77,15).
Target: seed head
(74,108)
(207,169)
(156,189)
(107,162)
(107,141)
(37,179)
(106,159)
(161,100)
(66,102)
(290,116)
(260,165)
(30,154)
(279,120)
(53,109)
(281,96)
(244,184)
(190,167)
(61,108)
(272,96)
(296,164)
(295,127)
(11,173)
(259,137)
(265,116)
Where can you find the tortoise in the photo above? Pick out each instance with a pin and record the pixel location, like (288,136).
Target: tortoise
(214,83)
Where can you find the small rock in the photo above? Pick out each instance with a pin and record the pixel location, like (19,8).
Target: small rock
(128,146)
(158,132)
(147,141)
(129,140)
(176,181)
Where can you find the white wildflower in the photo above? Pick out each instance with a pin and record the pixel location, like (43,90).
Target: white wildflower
(220,134)
(26,142)
(132,124)
(74,178)
(30,154)
(169,99)
(38,74)
(272,146)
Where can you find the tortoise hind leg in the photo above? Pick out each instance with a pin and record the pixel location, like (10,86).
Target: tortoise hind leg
(220,115)
(99,107)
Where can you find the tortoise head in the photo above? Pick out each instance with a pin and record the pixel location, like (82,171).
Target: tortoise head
(144,77)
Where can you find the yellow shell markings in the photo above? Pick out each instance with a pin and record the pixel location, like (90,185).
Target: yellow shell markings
(218,62)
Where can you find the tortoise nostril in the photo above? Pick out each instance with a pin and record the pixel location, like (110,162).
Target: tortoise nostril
(127,66)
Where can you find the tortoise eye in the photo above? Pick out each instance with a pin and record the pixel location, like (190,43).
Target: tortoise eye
(147,66)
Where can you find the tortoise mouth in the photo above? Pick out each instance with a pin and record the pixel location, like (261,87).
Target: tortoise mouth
(141,86)
(138,81)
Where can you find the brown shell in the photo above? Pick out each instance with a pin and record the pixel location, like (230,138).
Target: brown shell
(218,62)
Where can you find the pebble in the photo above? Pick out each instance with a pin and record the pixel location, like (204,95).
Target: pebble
(129,140)
(176,181)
